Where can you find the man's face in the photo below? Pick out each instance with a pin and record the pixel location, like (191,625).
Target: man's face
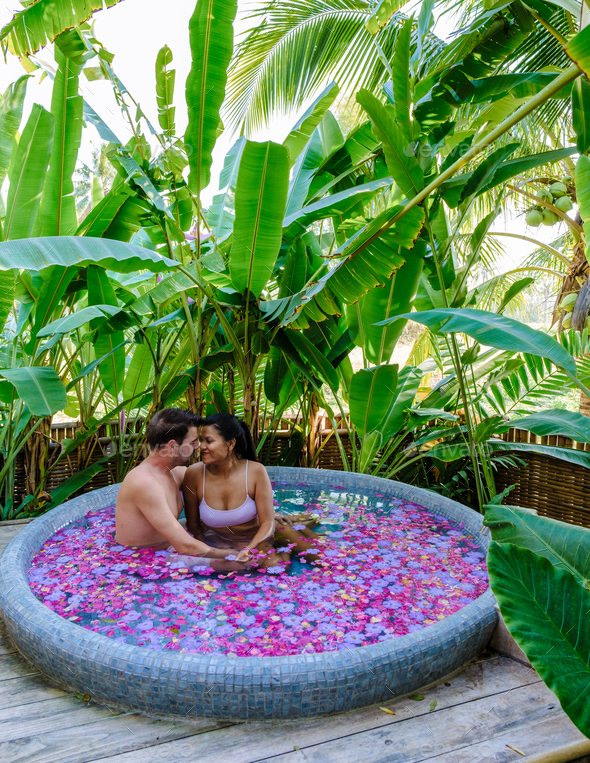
(184,452)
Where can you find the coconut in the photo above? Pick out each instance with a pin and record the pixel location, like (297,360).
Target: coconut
(567,321)
(549,217)
(558,189)
(568,302)
(534,218)
(545,195)
(564,204)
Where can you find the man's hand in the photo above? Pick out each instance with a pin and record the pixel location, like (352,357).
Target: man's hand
(283,521)
(245,555)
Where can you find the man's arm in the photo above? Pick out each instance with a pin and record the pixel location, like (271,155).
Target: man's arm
(191,507)
(151,501)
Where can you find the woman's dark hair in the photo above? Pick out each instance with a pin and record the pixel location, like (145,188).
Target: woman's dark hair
(170,424)
(232,428)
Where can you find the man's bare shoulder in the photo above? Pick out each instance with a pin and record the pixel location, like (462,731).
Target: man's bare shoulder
(142,480)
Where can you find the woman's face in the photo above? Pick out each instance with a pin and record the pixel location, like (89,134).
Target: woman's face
(214,449)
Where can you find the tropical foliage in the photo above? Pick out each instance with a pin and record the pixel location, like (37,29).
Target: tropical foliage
(329,241)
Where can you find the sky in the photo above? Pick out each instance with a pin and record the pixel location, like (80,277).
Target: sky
(135,30)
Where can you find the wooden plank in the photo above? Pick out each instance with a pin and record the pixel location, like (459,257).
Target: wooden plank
(7,533)
(426,737)
(6,645)
(547,736)
(13,666)
(487,679)
(93,741)
(18,692)
(17,722)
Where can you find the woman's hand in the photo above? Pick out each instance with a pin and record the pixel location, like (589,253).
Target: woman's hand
(245,555)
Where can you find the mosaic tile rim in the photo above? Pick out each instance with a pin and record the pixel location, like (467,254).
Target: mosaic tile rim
(226,686)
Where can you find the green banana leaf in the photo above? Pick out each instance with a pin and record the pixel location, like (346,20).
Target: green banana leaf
(371,393)
(76,482)
(118,215)
(68,251)
(89,368)
(55,282)
(556,422)
(337,204)
(165,91)
(402,93)
(326,141)
(26,174)
(112,369)
(211,40)
(578,49)
(546,610)
(276,369)
(401,162)
(301,132)
(39,386)
(7,291)
(139,373)
(494,330)
(583,187)
(42,21)
(408,384)
(221,213)
(314,358)
(261,196)
(11,111)
(566,546)
(57,212)
(452,451)
(380,303)
(581,113)
(79,318)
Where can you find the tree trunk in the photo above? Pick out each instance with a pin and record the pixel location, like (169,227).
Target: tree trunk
(36,451)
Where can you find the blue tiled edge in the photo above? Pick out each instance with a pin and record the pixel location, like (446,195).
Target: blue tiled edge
(241,688)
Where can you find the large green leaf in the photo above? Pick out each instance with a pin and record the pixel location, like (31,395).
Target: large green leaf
(112,369)
(583,189)
(326,141)
(371,393)
(581,113)
(566,546)
(56,280)
(314,358)
(556,422)
(401,162)
(68,251)
(26,174)
(261,196)
(211,40)
(497,331)
(76,482)
(43,20)
(7,289)
(40,387)
(301,132)
(380,303)
(546,610)
(402,93)
(221,213)
(57,213)
(362,267)
(578,49)
(11,111)
(79,318)
(139,372)
(165,91)
(337,204)
(118,215)
(408,384)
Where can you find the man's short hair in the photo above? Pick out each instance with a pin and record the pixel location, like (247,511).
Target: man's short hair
(170,424)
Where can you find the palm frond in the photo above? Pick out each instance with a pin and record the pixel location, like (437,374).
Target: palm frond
(295,49)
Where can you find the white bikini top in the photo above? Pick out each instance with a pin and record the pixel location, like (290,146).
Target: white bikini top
(220,518)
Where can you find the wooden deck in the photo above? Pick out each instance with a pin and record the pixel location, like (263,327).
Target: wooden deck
(477,715)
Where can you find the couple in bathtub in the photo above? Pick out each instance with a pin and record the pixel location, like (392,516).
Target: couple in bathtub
(228,499)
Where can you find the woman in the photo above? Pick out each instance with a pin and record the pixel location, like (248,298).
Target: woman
(228,497)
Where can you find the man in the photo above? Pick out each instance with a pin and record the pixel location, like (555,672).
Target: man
(149,502)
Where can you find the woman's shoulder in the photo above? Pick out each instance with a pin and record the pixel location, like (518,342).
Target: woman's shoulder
(258,470)
(193,472)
